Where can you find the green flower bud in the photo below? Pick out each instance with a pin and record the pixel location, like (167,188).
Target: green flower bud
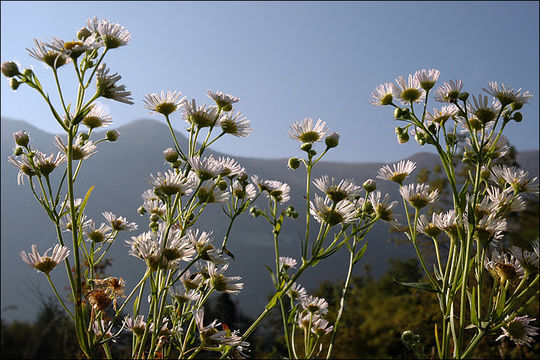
(154,218)
(18,151)
(451,139)
(10,69)
(141,210)
(403,138)
(28,72)
(475,124)
(399,130)
(83,33)
(306,146)
(112,135)
(170,155)
(254,211)
(518,116)
(294,163)
(516,106)
(312,153)
(222,185)
(154,226)
(14,83)
(485,173)
(21,138)
(463,96)
(401,113)
(432,128)
(84,136)
(176,164)
(370,185)
(332,140)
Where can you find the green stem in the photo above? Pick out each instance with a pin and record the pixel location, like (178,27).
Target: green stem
(58,296)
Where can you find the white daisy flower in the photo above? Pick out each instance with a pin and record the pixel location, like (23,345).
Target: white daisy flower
(164,103)
(45,263)
(136,326)
(314,305)
(146,248)
(155,207)
(209,193)
(209,334)
(97,117)
(409,91)
(306,132)
(246,192)
(287,263)
(207,168)
(427,78)
(345,189)
(44,53)
(230,167)
(516,178)
(449,92)
(503,202)
(191,281)
(236,125)
(183,296)
(46,164)
(276,189)
(97,235)
(401,170)
(507,95)
(111,34)
(321,327)
(338,213)
(490,228)
(441,116)
(25,168)
(297,292)
(529,260)
(427,227)
(82,150)
(73,49)
(482,110)
(119,223)
(107,88)
(97,327)
(383,94)
(383,207)
(199,116)
(448,222)
(223,101)
(519,331)
(504,267)
(203,246)
(171,183)
(222,283)
(419,195)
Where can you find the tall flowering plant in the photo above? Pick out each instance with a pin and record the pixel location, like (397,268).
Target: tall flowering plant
(467,133)
(183,265)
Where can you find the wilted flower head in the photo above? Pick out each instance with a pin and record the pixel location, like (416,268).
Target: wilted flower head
(236,125)
(504,267)
(306,132)
(165,103)
(137,325)
(45,263)
(409,91)
(507,95)
(449,92)
(519,331)
(401,170)
(383,94)
(107,88)
(99,299)
(223,101)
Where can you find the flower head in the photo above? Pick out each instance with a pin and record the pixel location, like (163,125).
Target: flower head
(409,91)
(97,235)
(119,223)
(442,115)
(428,228)
(401,170)
(81,149)
(43,52)
(529,260)
(136,325)
(287,262)
(507,95)
(203,246)
(97,117)
(199,116)
(427,78)
(25,168)
(315,305)
(107,88)
(222,283)
(46,165)
(209,193)
(516,178)
(340,212)
(482,110)
(345,189)
(72,49)
(112,35)
(383,94)
(448,222)
(236,125)
(449,92)
(504,267)
(223,101)
(306,132)
(207,168)
(45,263)
(490,228)
(164,103)
(382,207)
(419,195)
(171,183)
(519,331)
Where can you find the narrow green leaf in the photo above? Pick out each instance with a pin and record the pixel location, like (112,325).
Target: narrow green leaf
(83,204)
(360,254)
(474,316)
(292,313)
(420,286)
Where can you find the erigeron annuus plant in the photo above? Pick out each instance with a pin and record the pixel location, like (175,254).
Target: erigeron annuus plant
(467,134)
(183,264)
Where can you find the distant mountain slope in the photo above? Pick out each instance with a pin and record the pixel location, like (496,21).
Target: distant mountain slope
(120,174)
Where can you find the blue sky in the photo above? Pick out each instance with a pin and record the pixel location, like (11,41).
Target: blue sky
(290,60)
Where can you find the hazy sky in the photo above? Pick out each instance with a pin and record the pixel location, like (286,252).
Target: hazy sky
(289,60)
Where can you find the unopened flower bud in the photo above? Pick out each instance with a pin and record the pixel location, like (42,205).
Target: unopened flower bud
(154,218)
(370,185)
(170,155)
(242,177)
(518,116)
(21,138)
(432,128)
(516,106)
(10,69)
(112,135)
(475,124)
(306,146)
(451,139)
(18,151)
(485,173)
(403,138)
(399,130)
(294,163)
(254,211)
(176,164)
(312,153)
(14,83)
(463,96)
(83,34)
(141,210)
(84,136)
(27,72)
(401,113)
(222,185)
(153,226)
(332,140)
